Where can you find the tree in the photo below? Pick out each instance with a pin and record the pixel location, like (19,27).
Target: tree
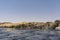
(57,22)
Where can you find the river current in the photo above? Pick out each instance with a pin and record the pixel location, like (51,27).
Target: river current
(12,34)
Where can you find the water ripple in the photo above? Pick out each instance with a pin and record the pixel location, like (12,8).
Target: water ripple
(28,34)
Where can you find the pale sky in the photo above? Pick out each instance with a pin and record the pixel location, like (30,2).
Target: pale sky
(29,10)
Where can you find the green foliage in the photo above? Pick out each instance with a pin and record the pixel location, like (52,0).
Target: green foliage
(57,22)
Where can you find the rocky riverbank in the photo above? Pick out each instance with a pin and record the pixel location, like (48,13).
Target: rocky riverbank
(31,25)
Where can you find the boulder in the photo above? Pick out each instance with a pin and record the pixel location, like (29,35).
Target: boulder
(57,28)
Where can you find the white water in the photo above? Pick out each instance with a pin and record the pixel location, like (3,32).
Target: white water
(9,34)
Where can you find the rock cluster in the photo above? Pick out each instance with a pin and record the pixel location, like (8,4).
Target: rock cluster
(32,25)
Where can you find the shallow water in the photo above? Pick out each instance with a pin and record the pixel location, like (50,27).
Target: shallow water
(11,34)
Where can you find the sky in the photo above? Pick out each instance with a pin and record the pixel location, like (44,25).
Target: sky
(29,10)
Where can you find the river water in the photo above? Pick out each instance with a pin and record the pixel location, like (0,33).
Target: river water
(12,34)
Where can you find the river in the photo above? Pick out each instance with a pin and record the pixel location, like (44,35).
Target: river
(12,34)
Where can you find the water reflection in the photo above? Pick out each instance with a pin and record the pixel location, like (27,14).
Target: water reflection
(12,34)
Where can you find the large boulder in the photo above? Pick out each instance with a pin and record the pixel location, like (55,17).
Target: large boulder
(57,28)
